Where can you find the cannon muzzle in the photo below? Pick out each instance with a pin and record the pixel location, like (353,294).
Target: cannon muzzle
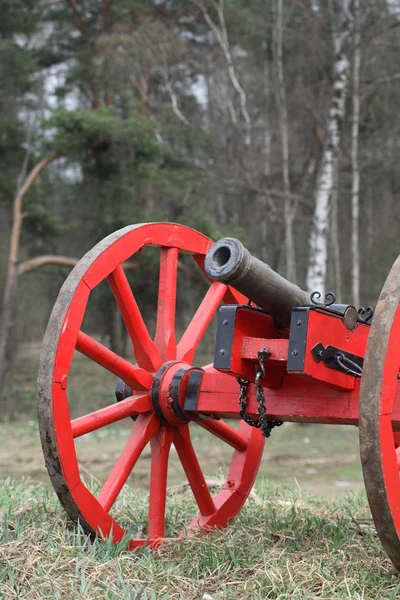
(230,262)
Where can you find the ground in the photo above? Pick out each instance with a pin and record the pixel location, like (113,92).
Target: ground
(305,532)
(322,459)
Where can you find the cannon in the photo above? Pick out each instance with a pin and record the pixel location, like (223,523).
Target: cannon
(280,356)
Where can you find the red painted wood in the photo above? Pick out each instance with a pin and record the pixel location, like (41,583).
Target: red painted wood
(147,234)
(160,447)
(145,350)
(143,430)
(260,326)
(134,376)
(69,333)
(165,330)
(102,262)
(201,320)
(225,432)
(194,474)
(111,414)
(242,472)
(65,441)
(165,393)
(300,399)
(389,386)
(277,348)
(331,331)
(93,512)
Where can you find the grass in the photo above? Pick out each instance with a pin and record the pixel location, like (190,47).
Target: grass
(286,544)
(304,533)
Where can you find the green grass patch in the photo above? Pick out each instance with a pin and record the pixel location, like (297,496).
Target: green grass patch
(286,544)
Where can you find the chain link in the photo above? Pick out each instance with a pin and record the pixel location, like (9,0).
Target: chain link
(347,365)
(263,423)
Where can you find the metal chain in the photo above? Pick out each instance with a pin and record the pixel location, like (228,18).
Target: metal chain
(264,424)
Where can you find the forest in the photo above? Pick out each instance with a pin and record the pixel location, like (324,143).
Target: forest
(275,121)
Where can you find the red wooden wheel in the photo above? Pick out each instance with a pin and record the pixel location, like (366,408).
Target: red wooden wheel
(158,362)
(378,442)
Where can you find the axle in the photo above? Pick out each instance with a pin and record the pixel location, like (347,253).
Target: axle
(230,262)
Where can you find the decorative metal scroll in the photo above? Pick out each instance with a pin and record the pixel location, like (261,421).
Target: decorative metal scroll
(365,314)
(329,299)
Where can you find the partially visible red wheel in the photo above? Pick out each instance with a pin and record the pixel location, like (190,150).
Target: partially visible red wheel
(159,361)
(379,444)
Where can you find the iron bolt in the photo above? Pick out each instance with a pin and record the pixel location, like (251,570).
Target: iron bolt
(225,322)
(222,352)
(295,352)
(299,323)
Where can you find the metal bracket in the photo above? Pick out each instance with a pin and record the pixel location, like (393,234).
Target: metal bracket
(193,389)
(298,338)
(225,331)
(328,357)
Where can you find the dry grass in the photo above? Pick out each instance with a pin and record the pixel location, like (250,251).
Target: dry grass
(285,545)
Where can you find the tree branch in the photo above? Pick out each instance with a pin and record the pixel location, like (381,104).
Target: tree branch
(221,35)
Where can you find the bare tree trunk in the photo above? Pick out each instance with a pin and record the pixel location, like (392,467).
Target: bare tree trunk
(289,208)
(335,237)
(318,253)
(117,331)
(221,209)
(6,321)
(106,8)
(355,172)
(265,200)
(87,45)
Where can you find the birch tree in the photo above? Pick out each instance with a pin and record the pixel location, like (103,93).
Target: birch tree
(355,172)
(318,248)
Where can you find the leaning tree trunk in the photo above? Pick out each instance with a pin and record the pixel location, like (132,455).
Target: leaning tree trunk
(10,287)
(318,251)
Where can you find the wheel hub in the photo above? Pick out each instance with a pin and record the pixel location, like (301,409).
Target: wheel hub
(175,386)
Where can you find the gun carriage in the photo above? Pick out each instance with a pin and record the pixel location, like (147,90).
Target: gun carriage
(280,356)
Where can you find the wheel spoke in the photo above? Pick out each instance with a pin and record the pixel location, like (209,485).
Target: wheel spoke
(194,474)
(165,329)
(134,405)
(225,432)
(160,447)
(143,430)
(133,376)
(398,458)
(145,350)
(201,320)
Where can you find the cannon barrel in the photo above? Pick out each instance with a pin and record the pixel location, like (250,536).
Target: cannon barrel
(230,262)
